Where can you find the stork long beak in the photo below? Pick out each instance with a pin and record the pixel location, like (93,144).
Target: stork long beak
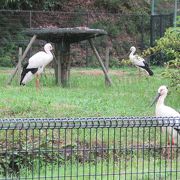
(155,99)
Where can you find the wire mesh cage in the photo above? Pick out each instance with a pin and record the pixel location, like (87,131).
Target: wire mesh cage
(89,148)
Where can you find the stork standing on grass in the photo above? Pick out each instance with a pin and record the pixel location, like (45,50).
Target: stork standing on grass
(36,65)
(165,111)
(139,62)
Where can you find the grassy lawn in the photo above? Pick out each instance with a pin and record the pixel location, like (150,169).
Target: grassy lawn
(87,96)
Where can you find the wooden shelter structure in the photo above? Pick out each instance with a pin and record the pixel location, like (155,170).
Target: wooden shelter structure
(62,38)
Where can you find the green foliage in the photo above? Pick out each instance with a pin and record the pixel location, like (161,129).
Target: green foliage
(169,47)
(123,5)
(10,36)
(33,5)
(5,61)
(178,21)
(107,25)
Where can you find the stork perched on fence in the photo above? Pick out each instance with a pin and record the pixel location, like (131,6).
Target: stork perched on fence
(139,62)
(165,111)
(36,65)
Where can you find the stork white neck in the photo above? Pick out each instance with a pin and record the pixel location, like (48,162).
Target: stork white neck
(161,99)
(133,50)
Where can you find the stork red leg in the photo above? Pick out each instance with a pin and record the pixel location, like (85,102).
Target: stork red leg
(168,148)
(172,146)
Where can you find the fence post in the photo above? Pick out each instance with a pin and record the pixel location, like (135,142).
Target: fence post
(19,63)
(161,26)
(151,30)
(142,32)
(30,19)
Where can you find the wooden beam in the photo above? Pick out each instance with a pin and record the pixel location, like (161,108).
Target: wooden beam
(106,63)
(100,61)
(20,61)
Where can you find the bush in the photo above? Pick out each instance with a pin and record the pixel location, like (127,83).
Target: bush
(6,61)
(169,46)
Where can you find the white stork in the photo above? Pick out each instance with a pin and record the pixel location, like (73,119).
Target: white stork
(139,61)
(36,65)
(165,111)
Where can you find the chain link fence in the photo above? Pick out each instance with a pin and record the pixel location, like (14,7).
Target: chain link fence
(124,30)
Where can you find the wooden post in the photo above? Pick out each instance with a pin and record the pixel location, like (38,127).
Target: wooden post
(100,61)
(19,64)
(63,63)
(23,56)
(107,64)
(57,65)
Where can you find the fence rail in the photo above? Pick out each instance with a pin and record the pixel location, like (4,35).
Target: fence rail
(90,148)
(90,122)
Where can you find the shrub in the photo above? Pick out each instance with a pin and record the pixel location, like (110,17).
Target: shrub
(6,61)
(169,46)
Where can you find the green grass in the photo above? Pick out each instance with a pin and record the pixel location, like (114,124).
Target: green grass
(143,170)
(87,96)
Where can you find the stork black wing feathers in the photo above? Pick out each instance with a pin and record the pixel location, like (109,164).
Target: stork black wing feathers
(25,71)
(146,67)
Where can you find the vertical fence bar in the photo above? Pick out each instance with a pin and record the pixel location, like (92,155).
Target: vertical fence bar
(78,151)
(149,150)
(30,19)
(160,143)
(46,149)
(96,153)
(166,147)
(65,153)
(120,147)
(58,150)
(107,163)
(142,32)
(137,159)
(126,154)
(83,153)
(52,152)
(13,153)
(90,149)
(102,156)
(132,153)
(114,152)
(155,153)
(72,151)
(39,154)
(33,153)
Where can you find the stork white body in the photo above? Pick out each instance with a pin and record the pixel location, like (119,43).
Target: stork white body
(139,62)
(165,111)
(36,64)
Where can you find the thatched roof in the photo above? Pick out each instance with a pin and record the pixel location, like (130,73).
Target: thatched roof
(55,35)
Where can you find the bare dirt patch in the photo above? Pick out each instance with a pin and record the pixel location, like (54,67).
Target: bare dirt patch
(6,71)
(98,72)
